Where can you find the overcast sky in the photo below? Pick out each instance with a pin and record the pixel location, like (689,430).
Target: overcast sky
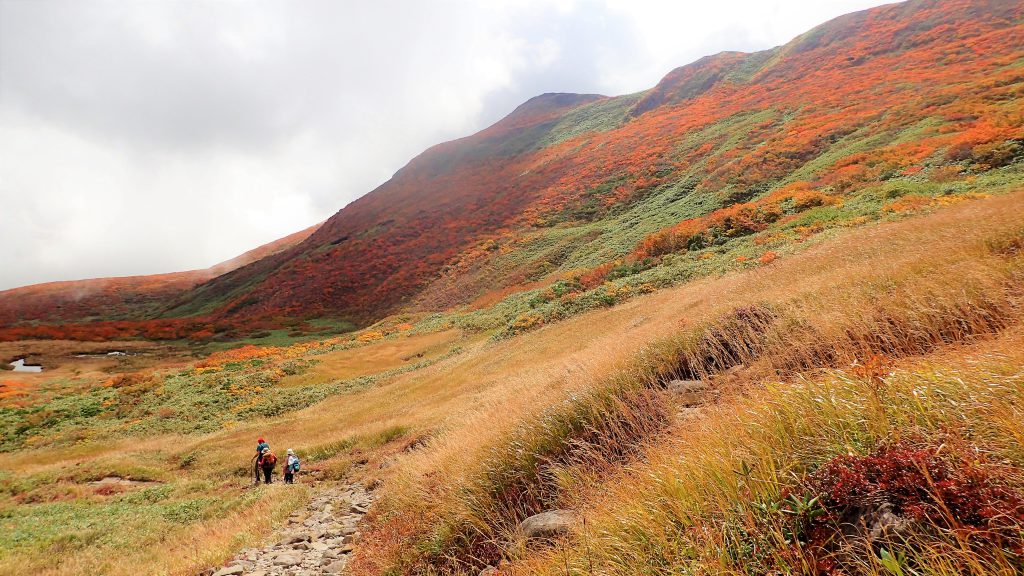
(140,137)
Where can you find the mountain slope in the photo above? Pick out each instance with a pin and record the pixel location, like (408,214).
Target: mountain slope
(868,115)
(853,102)
(124,297)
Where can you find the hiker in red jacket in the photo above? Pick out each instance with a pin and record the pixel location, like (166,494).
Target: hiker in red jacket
(266,462)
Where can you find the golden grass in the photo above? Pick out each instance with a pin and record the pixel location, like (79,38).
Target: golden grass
(692,504)
(898,289)
(179,551)
(382,356)
(919,270)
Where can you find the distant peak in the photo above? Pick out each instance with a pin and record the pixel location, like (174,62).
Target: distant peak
(551,102)
(694,79)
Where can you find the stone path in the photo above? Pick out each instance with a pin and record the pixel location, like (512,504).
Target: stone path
(314,541)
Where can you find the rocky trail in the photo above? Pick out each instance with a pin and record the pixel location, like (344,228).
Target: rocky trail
(314,541)
(318,539)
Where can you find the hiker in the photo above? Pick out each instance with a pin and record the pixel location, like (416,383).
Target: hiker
(266,462)
(291,466)
(261,445)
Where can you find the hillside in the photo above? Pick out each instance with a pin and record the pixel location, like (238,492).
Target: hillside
(129,297)
(569,182)
(735,157)
(888,347)
(766,317)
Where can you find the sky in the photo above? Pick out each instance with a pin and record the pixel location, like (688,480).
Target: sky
(144,136)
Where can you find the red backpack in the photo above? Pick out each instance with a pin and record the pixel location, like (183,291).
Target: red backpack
(268,459)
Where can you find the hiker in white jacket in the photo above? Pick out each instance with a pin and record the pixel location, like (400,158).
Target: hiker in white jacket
(291,466)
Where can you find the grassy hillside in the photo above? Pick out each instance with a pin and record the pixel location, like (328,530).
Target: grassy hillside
(894,336)
(852,110)
(899,337)
(764,318)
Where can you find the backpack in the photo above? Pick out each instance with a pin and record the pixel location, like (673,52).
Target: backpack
(295,464)
(269,459)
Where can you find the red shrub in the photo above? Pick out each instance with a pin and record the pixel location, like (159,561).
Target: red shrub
(594,277)
(931,486)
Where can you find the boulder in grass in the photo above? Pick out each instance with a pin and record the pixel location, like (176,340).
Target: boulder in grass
(233,570)
(551,524)
(688,392)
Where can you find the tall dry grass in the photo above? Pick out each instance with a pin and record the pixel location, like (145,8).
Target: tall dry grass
(715,497)
(861,300)
(558,414)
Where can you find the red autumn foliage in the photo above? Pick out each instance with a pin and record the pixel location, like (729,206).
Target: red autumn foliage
(946,486)
(946,72)
(596,276)
(114,298)
(173,329)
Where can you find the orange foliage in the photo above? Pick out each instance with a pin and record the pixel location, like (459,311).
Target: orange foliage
(596,276)
(731,221)
(945,76)
(767,258)
(242,354)
(10,388)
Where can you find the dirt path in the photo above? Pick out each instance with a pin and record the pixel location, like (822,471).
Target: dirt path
(314,541)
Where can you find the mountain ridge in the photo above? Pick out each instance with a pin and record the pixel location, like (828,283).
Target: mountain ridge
(82,296)
(570,183)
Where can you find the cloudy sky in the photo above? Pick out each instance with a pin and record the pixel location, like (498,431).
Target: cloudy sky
(142,136)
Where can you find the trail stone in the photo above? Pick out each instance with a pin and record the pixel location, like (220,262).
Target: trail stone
(883,524)
(489,571)
(313,541)
(296,538)
(287,560)
(547,524)
(688,392)
(336,567)
(233,570)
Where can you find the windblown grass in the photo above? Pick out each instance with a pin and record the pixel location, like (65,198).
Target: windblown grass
(859,303)
(559,416)
(721,494)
